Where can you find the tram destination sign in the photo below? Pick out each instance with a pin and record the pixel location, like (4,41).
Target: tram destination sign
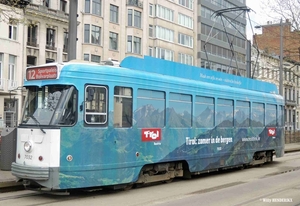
(38,73)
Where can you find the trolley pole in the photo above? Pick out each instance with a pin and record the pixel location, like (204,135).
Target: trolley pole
(72,35)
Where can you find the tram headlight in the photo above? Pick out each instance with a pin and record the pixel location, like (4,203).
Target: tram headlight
(27,146)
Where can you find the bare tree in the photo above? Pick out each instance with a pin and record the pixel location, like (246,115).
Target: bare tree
(285,9)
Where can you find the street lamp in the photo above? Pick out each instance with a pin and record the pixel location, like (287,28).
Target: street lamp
(280,58)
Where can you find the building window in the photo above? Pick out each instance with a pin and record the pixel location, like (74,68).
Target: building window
(63,5)
(86,33)
(150,30)
(114,14)
(129,43)
(11,72)
(150,51)
(92,35)
(50,39)
(66,36)
(31,61)
(164,33)
(185,40)
(150,9)
(46,3)
(113,41)
(96,7)
(164,54)
(136,21)
(1,68)
(185,59)
(87,6)
(86,57)
(130,17)
(95,35)
(164,13)
(187,3)
(135,45)
(12,32)
(32,35)
(95,58)
(185,20)
(48,60)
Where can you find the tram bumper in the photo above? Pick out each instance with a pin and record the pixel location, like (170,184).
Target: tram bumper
(30,172)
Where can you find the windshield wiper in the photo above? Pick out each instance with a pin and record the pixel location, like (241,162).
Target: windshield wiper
(38,123)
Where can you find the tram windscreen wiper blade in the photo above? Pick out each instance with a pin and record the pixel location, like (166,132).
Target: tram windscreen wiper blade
(38,123)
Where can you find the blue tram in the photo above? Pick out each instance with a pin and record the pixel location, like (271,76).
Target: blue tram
(89,125)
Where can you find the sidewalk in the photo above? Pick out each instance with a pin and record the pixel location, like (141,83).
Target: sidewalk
(8,180)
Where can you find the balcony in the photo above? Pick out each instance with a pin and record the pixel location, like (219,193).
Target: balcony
(32,42)
(290,102)
(65,49)
(6,85)
(135,3)
(51,46)
(45,11)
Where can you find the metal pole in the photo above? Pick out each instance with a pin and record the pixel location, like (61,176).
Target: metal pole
(72,35)
(248,59)
(281,60)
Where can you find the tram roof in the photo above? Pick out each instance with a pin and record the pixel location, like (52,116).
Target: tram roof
(170,68)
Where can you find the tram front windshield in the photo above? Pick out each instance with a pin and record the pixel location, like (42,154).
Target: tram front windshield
(50,105)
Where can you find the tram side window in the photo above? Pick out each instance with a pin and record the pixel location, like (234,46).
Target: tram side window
(224,113)
(151,109)
(242,114)
(280,116)
(258,115)
(122,107)
(180,111)
(204,112)
(96,105)
(271,115)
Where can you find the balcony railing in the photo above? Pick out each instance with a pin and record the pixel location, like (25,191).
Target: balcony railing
(290,102)
(51,46)
(48,11)
(32,42)
(12,84)
(136,3)
(6,85)
(65,49)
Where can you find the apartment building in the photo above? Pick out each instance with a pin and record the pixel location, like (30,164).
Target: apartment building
(107,29)
(12,62)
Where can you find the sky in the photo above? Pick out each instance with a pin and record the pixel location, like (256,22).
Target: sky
(258,17)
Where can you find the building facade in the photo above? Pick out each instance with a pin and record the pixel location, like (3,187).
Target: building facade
(266,68)
(269,40)
(219,49)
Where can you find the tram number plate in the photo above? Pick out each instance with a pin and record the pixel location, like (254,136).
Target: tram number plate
(28,157)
